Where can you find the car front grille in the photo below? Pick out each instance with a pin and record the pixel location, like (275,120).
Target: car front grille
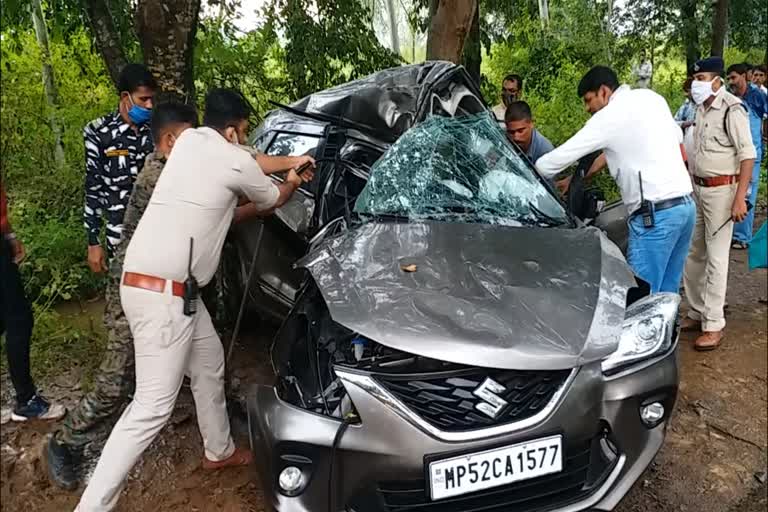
(446,399)
(586,467)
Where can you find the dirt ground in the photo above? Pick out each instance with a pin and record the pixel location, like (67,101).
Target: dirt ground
(714,459)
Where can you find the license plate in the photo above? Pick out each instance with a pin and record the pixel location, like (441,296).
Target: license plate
(493,468)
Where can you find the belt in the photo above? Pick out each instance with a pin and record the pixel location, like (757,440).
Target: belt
(667,203)
(151,283)
(715,181)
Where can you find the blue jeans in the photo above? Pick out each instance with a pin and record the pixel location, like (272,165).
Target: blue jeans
(657,255)
(742,231)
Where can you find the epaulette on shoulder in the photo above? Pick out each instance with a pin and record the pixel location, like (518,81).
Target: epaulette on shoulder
(97,123)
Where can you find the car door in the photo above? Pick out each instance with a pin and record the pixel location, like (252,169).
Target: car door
(587,204)
(612,219)
(270,245)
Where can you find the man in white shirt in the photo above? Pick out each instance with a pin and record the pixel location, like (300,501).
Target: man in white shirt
(511,91)
(641,143)
(194,200)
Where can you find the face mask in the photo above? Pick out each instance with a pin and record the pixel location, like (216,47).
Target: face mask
(137,114)
(508,98)
(701,91)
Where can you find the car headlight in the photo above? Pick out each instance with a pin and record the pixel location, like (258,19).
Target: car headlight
(648,330)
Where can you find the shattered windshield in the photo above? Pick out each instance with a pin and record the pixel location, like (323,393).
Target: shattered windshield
(458,169)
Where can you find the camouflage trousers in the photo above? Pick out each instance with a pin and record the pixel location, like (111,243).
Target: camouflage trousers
(92,419)
(113,384)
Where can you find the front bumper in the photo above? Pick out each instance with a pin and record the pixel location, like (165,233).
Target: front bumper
(379,463)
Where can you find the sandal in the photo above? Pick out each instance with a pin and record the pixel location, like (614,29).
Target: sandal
(739,246)
(240,457)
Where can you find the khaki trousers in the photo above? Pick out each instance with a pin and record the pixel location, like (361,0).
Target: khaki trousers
(167,345)
(706,271)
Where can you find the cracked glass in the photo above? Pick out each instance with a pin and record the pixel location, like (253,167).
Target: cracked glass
(458,169)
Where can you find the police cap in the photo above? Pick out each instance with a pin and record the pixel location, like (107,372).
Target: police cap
(710,65)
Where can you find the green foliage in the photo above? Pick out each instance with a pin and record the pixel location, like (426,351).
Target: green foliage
(65,339)
(574,37)
(46,203)
(250,62)
(327,42)
(748,19)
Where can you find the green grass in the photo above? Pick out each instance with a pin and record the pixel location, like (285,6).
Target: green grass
(61,342)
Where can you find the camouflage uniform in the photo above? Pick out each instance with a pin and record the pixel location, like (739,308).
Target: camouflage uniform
(115,380)
(114,155)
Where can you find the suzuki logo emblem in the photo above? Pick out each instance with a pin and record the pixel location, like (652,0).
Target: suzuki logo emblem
(492,403)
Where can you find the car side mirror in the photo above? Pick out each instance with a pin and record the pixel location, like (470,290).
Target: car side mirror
(333,227)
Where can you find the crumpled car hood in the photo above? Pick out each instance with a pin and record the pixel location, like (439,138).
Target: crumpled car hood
(484,295)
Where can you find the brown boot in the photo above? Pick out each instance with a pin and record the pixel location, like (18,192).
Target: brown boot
(688,324)
(240,457)
(710,340)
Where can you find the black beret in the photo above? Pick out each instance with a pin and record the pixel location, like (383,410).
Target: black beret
(709,65)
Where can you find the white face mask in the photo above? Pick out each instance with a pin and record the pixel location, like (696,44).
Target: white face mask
(701,91)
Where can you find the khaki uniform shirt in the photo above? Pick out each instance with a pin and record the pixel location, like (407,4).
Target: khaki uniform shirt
(195,197)
(717,152)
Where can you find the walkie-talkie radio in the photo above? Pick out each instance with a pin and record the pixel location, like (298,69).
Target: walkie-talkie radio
(190,287)
(647,209)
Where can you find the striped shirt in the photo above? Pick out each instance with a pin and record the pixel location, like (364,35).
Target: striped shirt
(114,155)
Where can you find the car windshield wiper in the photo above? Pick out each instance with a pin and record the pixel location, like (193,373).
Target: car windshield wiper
(547,220)
(390,217)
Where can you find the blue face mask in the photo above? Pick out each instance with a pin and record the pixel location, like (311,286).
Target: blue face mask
(137,114)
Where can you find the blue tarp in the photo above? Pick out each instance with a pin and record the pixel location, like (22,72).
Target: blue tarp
(758,249)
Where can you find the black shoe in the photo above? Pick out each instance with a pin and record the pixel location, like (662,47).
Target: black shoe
(61,466)
(38,408)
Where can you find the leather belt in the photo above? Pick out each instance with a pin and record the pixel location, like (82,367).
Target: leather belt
(151,283)
(667,203)
(715,181)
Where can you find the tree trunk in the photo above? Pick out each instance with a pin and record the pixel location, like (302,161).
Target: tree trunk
(49,84)
(107,40)
(394,36)
(167,35)
(544,12)
(472,48)
(690,32)
(653,57)
(448,28)
(719,27)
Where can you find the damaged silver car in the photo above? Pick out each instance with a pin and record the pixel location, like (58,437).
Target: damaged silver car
(458,341)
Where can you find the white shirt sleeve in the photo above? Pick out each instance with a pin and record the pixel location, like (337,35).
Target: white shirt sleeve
(255,185)
(593,136)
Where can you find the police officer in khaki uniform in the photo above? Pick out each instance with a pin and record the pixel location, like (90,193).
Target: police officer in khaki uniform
(724,156)
(194,200)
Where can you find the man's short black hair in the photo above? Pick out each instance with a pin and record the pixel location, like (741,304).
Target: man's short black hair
(761,68)
(225,107)
(518,111)
(133,76)
(169,113)
(740,69)
(597,77)
(514,78)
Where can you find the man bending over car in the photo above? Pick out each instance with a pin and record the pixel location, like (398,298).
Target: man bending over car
(641,142)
